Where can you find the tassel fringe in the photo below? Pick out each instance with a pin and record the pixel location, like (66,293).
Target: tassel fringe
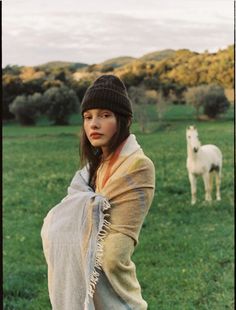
(99,253)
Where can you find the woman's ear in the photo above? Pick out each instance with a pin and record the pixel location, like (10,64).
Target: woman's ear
(129,122)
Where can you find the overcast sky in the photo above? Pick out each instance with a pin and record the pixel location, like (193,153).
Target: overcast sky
(38,31)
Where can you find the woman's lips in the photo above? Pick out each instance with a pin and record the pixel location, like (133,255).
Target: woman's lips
(96,136)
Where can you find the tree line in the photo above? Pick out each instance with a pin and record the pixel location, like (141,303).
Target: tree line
(182,77)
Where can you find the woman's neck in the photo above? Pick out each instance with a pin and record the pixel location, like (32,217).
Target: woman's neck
(105,153)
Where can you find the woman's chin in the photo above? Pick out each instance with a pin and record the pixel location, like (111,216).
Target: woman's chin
(96,144)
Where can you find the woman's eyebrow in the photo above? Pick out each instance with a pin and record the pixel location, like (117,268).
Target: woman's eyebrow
(105,111)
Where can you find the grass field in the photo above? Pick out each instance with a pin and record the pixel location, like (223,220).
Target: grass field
(185,255)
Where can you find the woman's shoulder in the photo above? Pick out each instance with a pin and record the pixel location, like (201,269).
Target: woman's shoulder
(140,160)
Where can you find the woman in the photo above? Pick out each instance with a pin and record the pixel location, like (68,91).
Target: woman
(89,238)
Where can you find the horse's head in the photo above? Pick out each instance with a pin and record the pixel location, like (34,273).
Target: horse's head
(192,138)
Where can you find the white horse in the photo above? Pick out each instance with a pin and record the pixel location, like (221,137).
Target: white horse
(205,160)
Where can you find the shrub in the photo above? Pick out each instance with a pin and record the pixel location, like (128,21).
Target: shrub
(59,104)
(215,102)
(208,98)
(194,96)
(26,108)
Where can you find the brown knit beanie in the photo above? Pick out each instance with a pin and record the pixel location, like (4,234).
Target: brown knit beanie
(107,92)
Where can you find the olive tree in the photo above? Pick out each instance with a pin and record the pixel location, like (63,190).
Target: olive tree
(140,101)
(194,96)
(26,108)
(215,102)
(209,99)
(59,104)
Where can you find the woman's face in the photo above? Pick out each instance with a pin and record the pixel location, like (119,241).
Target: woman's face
(100,125)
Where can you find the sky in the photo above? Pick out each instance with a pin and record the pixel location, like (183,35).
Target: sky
(38,31)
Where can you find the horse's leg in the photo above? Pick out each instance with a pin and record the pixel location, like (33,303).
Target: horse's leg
(193,183)
(206,179)
(218,174)
(211,176)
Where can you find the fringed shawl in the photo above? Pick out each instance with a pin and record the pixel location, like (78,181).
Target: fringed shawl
(129,188)
(74,231)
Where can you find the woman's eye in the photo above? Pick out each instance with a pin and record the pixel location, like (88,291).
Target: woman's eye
(105,115)
(87,117)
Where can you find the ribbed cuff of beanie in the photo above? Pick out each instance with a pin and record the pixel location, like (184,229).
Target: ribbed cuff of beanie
(106,98)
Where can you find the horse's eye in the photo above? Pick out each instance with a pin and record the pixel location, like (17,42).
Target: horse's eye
(189,137)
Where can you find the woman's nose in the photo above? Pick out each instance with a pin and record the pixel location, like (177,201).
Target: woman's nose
(94,123)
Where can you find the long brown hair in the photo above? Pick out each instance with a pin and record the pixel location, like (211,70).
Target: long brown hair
(92,156)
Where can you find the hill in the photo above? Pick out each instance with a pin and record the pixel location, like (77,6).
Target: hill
(113,62)
(61,64)
(118,61)
(158,55)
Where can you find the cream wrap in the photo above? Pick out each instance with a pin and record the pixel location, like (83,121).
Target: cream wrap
(129,188)
(89,263)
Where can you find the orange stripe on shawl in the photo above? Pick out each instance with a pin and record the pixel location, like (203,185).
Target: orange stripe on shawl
(111,163)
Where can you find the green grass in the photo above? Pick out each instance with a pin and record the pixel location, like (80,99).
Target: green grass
(184,258)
